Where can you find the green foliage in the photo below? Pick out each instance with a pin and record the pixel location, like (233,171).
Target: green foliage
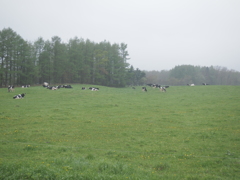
(120,133)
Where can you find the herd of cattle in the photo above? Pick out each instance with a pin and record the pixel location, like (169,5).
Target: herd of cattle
(46,85)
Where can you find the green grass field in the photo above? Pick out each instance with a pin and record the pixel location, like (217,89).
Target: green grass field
(119,133)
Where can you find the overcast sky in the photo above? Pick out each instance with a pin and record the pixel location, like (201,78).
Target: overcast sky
(160,34)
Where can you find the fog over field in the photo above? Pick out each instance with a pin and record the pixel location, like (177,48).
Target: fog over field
(160,34)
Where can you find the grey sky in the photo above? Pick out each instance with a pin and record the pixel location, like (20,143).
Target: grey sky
(160,34)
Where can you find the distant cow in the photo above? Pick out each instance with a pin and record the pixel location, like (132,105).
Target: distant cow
(156,85)
(83,88)
(19,96)
(191,84)
(133,88)
(52,87)
(205,84)
(45,84)
(144,89)
(95,89)
(67,86)
(162,89)
(10,88)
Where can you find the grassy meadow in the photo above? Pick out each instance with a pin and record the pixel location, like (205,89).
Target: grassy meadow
(120,133)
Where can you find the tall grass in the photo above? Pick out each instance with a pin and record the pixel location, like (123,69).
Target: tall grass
(121,133)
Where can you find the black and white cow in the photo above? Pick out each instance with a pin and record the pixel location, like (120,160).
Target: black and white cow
(191,84)
(95,89)
(144,89)
(83,88)
(162,89)
(52,87)
(10,88)
(156,86)
(19,96)
(205,84)
(45,84)
(67,86)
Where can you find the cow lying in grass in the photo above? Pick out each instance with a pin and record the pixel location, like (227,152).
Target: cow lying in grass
(67,86)
(94,89)
(19,96)
(52,87)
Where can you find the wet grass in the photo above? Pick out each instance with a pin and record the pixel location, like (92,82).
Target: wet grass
(121,133)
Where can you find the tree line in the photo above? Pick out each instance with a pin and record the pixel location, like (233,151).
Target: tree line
(188,74)
(86,62)
(78,61)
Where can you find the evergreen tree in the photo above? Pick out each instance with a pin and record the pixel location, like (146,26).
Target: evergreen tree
(46,63)
(60,60)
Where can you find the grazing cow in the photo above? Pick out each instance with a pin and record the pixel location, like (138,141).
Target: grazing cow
(191,84)
(19,96)
(133,88)
(162,89)
(10,88)
(144,89)
(156,86)
(83,88)
(205,84)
